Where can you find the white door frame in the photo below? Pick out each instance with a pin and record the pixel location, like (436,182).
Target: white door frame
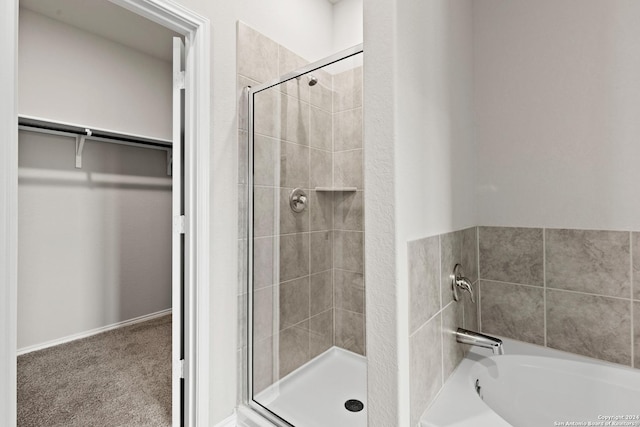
(196,30)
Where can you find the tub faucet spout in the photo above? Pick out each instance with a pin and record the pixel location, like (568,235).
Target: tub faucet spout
(465,336)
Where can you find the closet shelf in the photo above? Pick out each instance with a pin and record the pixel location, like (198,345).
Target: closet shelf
(336,189)
(82,133)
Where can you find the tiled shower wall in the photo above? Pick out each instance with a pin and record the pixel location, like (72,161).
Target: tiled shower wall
(572,290)
(348,212)
(434,315)
(297,255)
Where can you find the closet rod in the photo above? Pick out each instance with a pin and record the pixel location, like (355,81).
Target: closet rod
(44,124)
(81,133)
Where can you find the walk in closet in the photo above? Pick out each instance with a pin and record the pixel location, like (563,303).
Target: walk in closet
(95,209)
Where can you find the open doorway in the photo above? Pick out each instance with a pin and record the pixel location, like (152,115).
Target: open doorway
(100,317)
(195,240)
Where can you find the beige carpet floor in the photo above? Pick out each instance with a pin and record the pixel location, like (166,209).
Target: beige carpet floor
(117,378)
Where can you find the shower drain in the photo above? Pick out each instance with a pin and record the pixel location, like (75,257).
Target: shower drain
(353,405)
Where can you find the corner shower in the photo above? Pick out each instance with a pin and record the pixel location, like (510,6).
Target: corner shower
(306,361)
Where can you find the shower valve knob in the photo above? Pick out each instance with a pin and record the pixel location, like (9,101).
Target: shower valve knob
(298,200)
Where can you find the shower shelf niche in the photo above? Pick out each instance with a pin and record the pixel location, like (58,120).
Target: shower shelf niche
(336,189)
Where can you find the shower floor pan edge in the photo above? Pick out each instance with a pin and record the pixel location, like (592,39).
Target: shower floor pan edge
(314,395)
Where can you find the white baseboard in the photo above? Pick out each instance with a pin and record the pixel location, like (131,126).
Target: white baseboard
(95,331)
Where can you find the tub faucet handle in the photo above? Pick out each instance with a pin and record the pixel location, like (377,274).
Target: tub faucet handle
(459,281)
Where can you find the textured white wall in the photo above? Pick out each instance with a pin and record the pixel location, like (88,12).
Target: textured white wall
(94,243)
(380,127)
(434,149)
(557,105)
(74,76)
(420,167)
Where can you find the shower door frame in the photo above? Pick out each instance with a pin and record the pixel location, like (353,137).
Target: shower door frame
(250,91)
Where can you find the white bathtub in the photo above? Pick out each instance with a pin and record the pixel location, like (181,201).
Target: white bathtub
(532,386)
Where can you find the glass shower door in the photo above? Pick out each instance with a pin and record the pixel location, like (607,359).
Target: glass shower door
(307,310)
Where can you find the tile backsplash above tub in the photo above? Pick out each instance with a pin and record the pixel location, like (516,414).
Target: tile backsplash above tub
(568,289)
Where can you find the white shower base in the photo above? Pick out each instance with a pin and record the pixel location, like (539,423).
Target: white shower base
(314,395)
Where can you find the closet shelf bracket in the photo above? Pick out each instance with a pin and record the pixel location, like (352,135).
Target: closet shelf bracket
(169,161)
(80,146)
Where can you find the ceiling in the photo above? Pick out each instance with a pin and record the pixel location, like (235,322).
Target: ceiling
(105,19)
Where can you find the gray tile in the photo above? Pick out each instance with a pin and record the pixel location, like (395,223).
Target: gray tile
(347,169)
(321,169)
(321,210)
(294,165)
(294,302)
(291,221)
(294,120)
(321,292)
(267,111)
(509,254)
(635,241)
(242,321)
(349,333)
(262,364)
(347,130)
(242,266)
(241,360)
(264,204)
(321,133)
(470,252)
(450,255)
(349,288)
(263,307)
(590,325)
(424,280)
(348,90)
(425,367)
(294,256)
(266,157)
(320,333)
(243,157)
(321,248)
(588,261)
(453,352)
(514,311)
(243,211)
(348,212)
(294,348)
(257,55)
(348,250)
(636,333)
(471,310)
(321,96)
(263,262)
(289,61)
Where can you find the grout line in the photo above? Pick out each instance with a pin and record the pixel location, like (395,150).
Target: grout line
(514,283)
(586,293)
(544,284)
(411,334)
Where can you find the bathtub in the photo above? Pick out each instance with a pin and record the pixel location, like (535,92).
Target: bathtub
(533,386)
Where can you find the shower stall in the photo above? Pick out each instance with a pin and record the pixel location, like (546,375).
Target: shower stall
(306,362)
